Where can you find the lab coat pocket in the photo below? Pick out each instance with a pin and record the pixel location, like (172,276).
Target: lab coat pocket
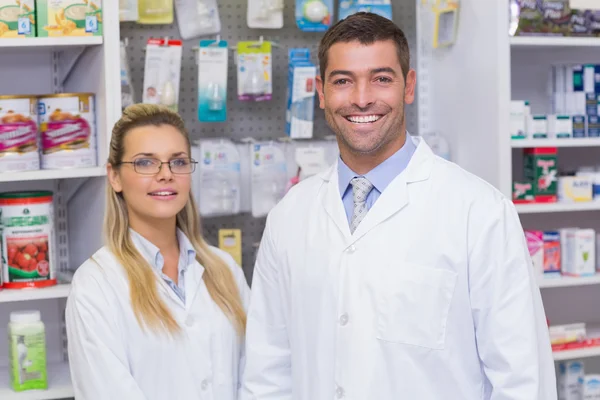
(413,305)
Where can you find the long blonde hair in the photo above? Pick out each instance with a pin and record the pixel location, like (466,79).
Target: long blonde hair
(149,308)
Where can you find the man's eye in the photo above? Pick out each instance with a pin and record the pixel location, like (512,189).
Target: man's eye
(340,82)
(384,79)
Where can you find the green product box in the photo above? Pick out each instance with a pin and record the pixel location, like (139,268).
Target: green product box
(540,168)
(69,18)
(17,19)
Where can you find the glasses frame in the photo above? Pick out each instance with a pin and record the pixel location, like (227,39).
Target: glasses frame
(192,162)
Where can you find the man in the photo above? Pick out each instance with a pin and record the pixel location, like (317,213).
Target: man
(395,274)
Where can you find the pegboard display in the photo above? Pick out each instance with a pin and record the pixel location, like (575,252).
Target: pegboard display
(259,120)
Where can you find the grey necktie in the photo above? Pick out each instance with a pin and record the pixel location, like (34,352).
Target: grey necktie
(361,187)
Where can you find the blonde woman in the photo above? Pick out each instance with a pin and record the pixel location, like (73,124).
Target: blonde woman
(156,314)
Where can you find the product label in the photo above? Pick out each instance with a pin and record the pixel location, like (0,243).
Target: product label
(28,361)
(26,235)
(18,137)
(65,135)
(70,17)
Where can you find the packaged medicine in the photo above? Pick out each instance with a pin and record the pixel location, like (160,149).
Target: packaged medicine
(27,351)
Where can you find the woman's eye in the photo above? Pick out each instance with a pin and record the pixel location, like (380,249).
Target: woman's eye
(144,162)
(179,162)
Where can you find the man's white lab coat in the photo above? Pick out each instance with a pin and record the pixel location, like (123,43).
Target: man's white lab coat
(112,358)
(432,298)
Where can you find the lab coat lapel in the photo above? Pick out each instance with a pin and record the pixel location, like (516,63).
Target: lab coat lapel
(332,200)
(193,282)
(396,196)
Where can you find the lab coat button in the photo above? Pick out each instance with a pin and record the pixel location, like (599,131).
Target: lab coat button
(343,319)
(190,321)
(339,393)
(351,249)
(204,384)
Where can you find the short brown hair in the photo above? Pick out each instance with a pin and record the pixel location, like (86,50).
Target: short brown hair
(365,28)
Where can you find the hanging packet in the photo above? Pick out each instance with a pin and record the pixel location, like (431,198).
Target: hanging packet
(197,18)
(212,81)
(269,176)
(254,71)
(162,72)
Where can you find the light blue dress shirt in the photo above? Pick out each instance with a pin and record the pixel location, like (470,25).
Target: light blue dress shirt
(187,256)
(380,176)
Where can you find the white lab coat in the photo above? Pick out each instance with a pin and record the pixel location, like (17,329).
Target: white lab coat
(112,358)
(433,297)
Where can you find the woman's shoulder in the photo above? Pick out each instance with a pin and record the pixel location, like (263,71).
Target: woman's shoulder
(235,268)
(97,272)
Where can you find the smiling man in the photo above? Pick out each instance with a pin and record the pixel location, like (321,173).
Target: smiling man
(395,274)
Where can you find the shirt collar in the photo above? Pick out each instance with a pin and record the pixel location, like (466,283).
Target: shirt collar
(152,255)
(383,174)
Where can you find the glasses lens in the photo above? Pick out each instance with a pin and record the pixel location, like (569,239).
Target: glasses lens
(146,165)
(182,166)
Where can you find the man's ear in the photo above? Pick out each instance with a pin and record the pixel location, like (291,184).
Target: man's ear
(409,87)
(320,85)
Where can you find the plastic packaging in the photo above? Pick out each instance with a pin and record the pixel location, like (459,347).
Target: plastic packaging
(197,18)
(269,176)
(155,12)
(27,351)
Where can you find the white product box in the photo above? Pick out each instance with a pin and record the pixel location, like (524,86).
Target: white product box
(570,380)
(561,334)
(517,119)
(574,189)
(591,387)
(538,127)
(560,126)
(581,253)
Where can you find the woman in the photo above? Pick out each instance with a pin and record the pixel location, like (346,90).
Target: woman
(157,313)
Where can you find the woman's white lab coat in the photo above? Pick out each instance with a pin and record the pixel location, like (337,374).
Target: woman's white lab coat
(433,297)
(112,358)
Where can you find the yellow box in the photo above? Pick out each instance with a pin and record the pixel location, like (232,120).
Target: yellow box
(230,240)
(17,19)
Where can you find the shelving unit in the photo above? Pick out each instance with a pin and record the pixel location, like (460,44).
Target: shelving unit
(53,292)
(550,41)
(52,174)
(576,354)
(59,385)
(573,142)
(539,208)
(50,42)
(567,281)
(36,66)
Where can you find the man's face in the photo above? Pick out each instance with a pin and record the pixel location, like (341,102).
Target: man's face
(363,95)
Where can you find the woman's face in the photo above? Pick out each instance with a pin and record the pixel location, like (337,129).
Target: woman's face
(153,195)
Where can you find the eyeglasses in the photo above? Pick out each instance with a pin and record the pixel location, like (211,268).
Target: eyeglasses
(152,166)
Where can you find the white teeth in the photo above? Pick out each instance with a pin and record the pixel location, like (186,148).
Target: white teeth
(162,194)
(364,119)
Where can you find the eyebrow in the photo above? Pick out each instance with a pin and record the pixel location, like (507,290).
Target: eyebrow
(180,153)
(372,72)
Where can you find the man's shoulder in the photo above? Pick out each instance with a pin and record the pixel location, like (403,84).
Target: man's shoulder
(300,196)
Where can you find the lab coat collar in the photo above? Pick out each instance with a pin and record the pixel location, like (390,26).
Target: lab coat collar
(391,201)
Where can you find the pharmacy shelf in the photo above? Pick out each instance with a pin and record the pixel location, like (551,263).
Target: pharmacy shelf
(52,174)
(567,281)
(553,41)
(538,208)
(577,353)
(32,43)
(52,292)
(573,142)
(59,385)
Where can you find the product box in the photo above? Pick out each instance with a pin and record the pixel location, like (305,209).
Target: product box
(572,189)
(522,192)
(212,81)
(591,103)
(552,256)
(535,245)
(579,124)
(69,18)
(17,19)
(518,118)
(560,126)
(539,126)
(540,168)
(591,387)
(569,333)
(541,17)
(299,115)
(580,248)
(593,128)
(570,380)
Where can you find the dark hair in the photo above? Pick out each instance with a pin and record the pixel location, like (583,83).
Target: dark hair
(365,28)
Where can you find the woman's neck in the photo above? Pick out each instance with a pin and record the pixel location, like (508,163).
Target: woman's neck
(162,234)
